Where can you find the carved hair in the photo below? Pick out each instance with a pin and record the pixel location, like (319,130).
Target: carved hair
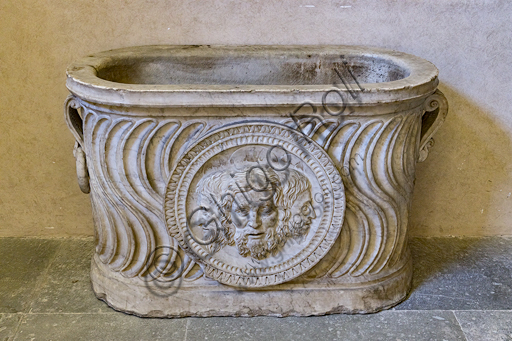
(293,185)
(217,191)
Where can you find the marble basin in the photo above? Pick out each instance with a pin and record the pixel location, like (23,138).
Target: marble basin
(251,180)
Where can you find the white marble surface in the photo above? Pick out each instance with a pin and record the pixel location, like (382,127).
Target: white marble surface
(206,204)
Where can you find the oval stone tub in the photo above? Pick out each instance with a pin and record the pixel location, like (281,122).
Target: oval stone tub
(244,181)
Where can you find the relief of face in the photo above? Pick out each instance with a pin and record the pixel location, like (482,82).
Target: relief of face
(254,214)
(204,219)
(303,213)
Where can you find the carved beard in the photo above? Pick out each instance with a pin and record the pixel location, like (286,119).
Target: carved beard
(295,229)
(260,249)
(299,229)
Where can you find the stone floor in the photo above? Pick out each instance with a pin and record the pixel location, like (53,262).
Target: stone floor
(462,291)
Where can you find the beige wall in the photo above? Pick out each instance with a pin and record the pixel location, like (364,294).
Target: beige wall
(464,187)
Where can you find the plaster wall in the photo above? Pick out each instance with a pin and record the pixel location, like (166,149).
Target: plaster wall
(463,188)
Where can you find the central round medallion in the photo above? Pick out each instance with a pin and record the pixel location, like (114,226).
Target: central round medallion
(257,203)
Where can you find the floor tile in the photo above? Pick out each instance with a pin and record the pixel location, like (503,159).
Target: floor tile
(25,258)
(24,261)
(99,327)
(486,325)
(449,274)
(8,324)
(461,274)
(389,325)
(67,288)
(15,296)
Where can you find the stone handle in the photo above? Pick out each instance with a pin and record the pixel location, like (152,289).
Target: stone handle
(75,124)
(436,109)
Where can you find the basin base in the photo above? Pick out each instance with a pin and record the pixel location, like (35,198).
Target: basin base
(209,298)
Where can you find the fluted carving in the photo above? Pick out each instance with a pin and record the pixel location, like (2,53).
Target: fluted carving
(377,164)
(375,157)
(127,200)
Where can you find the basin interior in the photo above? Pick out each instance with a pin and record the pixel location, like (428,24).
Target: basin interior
(251,69)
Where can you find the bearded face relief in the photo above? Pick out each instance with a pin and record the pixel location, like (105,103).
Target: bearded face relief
(255,214)
(302,211)
(255,209)
(255,204)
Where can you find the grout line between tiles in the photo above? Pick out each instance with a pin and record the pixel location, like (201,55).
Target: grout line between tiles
(84,313)
(18,325)
(483,310)
(186,329)
(113,312)
(460,325)
(50,237)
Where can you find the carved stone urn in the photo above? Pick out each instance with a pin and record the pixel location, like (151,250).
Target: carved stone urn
(244,181)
